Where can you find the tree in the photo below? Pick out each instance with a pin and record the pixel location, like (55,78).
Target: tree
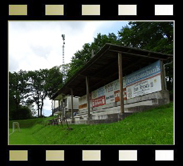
(17,88)
(24,113)
(43,83)
(37,81)
(30,105)
(26,88)
(18,93)
(82,56)
(53,81)
(154,36)
(66,70)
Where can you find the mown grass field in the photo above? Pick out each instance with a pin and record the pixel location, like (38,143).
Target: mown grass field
(153,126)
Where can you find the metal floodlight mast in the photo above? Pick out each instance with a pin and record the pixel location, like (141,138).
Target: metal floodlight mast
(63,37)
(63,69)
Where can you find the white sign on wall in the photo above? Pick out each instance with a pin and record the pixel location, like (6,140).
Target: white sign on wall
(144,81)
(109,93)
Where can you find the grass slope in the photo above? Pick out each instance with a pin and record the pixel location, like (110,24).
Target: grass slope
(154,126)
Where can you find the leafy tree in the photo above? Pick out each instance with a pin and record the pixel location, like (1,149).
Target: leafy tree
(66,70)
(17,88)
(18,93)
(82,56)
(154,36)
(37,81)
(101,40)
(54,80)
(43,83)
(12,105)
(27,88)
(23,113)
(30,105)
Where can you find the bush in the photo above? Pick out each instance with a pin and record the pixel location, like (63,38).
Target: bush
(23,112)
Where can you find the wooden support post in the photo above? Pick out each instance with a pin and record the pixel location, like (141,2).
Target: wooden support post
(62,108)
(121,83)
(59,115)
(59,104)
(163,81)
(88,97)
(53,107)
(72,106)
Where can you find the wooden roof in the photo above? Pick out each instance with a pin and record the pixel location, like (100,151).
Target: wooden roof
(103,67)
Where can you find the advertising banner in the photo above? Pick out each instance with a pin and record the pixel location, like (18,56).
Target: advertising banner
(82,106)
(83,102)
(144,81)
(117,95)
(99,101)
(109,92)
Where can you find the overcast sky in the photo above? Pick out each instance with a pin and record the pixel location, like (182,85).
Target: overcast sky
(35,45)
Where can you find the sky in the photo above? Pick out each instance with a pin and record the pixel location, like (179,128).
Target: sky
(34,45)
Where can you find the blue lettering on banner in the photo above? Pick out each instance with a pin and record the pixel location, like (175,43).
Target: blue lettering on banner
(101,91)
(143,73)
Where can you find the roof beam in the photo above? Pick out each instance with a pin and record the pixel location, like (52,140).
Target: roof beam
(134,54)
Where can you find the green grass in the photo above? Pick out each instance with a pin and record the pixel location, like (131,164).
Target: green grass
(154,126)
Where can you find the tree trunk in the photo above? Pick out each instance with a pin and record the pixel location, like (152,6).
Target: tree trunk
(38,108)
(38,111)
(41,109)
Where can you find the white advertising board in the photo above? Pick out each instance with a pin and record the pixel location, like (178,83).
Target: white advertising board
(144,81)
(107,94)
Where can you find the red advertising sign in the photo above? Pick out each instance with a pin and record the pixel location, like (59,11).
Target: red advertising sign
(82,106)
(99,101)
(117,95)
